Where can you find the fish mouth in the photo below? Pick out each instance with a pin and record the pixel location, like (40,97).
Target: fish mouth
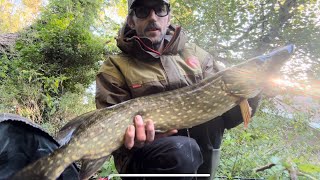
(250,78)
(277,58)
(286,50)
(274,61)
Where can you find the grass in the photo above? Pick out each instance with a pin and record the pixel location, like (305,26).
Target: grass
(287,143)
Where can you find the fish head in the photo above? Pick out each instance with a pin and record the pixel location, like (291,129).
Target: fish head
(250,78)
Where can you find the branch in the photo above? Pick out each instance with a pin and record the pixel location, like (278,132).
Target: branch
(246,33)
(284,15)
(293,172)
(268,166)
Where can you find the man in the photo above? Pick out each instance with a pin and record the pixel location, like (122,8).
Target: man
(156,58)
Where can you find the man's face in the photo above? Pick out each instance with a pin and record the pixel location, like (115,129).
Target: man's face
(152,26)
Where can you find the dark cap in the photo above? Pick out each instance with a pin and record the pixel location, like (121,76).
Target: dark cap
(131,2)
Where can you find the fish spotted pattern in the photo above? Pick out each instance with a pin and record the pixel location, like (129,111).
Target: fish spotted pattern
(100,132)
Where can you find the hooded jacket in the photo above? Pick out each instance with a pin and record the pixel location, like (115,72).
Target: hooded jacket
(140,71)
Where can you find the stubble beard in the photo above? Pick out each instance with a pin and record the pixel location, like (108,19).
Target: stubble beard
(157,43)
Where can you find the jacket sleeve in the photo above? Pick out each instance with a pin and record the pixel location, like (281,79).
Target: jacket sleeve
(210,66)
(233,117)
(111,87)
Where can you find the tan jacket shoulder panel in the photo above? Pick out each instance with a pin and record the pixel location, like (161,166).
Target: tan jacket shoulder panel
(132,71)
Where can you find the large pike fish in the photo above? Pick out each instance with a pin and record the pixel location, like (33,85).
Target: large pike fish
(95,135)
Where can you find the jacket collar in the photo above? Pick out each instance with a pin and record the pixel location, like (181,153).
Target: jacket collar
(141,48)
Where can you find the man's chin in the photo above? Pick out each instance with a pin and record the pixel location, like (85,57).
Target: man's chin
(153,34)
(156,41)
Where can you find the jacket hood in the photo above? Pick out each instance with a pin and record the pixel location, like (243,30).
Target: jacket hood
(141,47)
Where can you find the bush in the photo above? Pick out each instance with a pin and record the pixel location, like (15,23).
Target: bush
(56,56)
(61,43)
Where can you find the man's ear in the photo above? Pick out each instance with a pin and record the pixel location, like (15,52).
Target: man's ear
(130,22)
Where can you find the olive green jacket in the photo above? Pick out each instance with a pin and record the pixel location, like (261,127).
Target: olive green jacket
(140,71)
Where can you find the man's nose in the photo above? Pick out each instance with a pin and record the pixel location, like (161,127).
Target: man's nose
(152,14)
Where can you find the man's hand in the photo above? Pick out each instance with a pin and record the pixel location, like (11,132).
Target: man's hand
(140,133)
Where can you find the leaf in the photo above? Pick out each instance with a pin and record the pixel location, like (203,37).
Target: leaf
(56,83)
(3,74)
(309,168)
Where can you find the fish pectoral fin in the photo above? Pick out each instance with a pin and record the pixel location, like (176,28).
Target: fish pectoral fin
(66,132)
(90,166)
(245,112)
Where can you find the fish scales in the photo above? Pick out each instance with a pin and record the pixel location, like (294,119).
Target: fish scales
(100,132)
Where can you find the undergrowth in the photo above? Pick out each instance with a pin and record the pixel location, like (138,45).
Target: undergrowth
(286,145)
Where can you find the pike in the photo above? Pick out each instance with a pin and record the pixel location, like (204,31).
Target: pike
(92,137)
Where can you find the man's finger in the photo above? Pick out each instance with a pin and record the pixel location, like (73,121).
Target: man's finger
(150,131)
(129,137)
(140,129)
(171,132)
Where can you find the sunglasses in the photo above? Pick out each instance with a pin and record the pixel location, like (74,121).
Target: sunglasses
(143,11)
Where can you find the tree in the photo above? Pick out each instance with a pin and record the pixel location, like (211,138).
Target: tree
(61,42)
(15,15)
(56,54)
(234,30)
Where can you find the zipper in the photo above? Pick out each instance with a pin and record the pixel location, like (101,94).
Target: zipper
(145,46)
(173,39)
(165,48)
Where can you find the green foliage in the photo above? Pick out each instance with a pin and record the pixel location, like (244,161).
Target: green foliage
(8,66)
(234,30)
(107,169)
(57,54)
(69,106)
(287,143)
(26,91)
(62,43)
